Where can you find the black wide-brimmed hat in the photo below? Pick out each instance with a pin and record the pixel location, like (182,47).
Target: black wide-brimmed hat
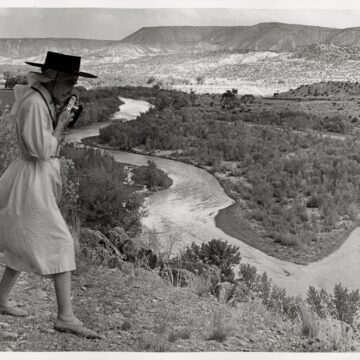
(65,63)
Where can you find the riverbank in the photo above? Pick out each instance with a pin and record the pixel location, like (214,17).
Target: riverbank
(298,192)
(234,219)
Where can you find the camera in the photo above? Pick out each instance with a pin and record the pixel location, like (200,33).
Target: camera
(73,109)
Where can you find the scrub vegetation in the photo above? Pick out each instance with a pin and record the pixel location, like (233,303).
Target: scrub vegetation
(296,186)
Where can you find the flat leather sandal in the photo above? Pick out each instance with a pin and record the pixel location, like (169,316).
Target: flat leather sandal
(13,311)
(77,329)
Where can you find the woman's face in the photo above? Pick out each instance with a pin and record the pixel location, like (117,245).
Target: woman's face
(63,89)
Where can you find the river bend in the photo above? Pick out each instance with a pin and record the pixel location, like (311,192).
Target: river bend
(188,208)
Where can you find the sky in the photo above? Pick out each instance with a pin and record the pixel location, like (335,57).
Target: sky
(117,23)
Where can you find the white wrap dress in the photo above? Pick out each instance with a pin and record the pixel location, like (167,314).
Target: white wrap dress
(33,233)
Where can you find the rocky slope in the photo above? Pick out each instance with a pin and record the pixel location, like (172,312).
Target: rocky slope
(135,310)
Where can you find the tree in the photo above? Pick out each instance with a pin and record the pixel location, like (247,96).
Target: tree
(10,83)
(199,80)
(150,80)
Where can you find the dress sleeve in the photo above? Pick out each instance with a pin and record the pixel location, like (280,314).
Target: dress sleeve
(36,132)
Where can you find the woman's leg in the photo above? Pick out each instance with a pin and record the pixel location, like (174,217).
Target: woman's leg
(6,284)
(67,321)
(62,282)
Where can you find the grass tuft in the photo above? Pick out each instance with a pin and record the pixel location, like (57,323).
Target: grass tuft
(200,284)
(309,321)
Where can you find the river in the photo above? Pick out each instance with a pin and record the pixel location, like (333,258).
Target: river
(187,210)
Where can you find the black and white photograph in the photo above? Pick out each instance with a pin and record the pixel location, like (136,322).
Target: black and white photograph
(179,177)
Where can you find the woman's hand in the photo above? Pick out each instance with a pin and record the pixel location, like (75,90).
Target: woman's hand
(63,120)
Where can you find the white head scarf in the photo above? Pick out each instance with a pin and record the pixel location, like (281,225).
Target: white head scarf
(47,76)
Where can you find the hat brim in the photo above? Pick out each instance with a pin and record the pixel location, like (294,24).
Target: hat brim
(77,73)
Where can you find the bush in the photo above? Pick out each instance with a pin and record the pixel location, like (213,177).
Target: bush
(150,80)
(104,201)
(253,285)
(343,305)
(220,331)
(346,303)
(334,124)
(282,303)
(99,104)
(310,326)
(215,252)
(151,177)
(182,272)
(201,285)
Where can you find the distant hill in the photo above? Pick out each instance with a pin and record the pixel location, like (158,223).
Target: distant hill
(275,55)
(264,36)
(324,89)
(33,47)
(149,41)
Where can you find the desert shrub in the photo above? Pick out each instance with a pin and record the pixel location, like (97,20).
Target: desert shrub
(313,202)
(282,303)
(99,104)
(104,201)
(163,102)
(320,302)
(259,284)
(12,81)
(215,252)
(180,272)
(220,331)
(309,321)
(346,303)
(251,285)
(286,239)
(151,177)
(179,334)
(342,305)
(333,124)
(150,80)
(248,275)
(201,284)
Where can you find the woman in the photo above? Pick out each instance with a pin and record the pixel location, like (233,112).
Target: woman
(33,232)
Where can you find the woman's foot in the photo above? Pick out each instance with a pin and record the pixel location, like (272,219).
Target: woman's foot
(75,326)
(10,308)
